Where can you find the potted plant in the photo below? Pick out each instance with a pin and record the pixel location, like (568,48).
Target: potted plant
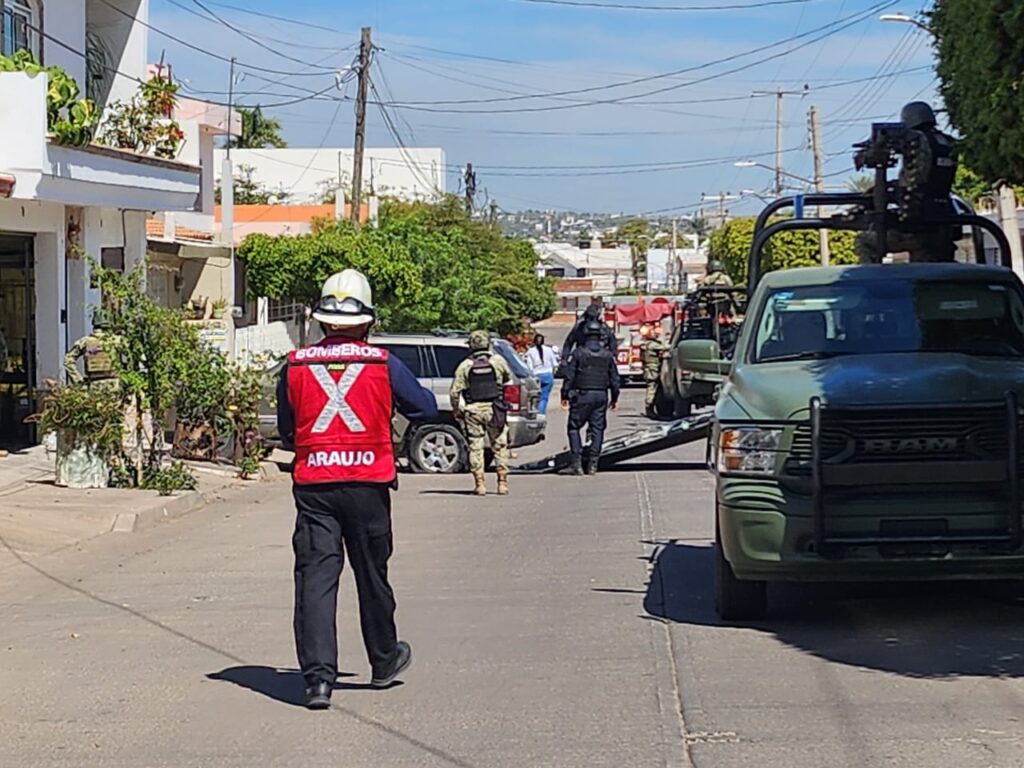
(220,308)
(89,423)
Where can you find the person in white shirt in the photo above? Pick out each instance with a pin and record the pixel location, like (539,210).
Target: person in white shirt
(542,361)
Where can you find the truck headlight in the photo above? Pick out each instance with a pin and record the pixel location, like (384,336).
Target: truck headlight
(752,450)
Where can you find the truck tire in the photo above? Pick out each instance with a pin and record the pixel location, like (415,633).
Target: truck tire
(662,403)
(438,449)
(736,600)
(682,407)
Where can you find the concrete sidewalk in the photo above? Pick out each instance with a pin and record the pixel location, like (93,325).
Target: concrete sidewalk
(38,517)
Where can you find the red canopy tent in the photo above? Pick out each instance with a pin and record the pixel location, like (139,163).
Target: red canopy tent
(638,314)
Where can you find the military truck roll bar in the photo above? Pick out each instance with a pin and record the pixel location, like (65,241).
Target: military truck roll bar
(763,231)
(871,212)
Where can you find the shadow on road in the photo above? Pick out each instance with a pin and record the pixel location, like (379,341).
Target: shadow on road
(931,630)
(283,685)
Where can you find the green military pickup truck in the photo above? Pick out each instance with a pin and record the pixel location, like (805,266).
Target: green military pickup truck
(870,426)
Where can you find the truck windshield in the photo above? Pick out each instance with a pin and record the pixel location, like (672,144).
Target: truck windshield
(979,318)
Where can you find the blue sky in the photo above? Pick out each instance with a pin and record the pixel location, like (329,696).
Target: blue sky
(462,50)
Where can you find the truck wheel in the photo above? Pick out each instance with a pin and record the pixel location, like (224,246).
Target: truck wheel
(438,449)
(683,407)
(662,403)
(736,600)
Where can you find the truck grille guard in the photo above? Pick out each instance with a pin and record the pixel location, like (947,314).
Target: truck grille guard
(988,470)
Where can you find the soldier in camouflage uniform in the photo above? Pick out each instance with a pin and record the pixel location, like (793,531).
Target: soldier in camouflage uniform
(478,401)
(716,275)
(652,353)
(98,351)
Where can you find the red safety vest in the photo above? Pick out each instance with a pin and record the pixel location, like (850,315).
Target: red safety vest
(340,393)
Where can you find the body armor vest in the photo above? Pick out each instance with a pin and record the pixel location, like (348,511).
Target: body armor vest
(340,392)
(593,369)
(483,381)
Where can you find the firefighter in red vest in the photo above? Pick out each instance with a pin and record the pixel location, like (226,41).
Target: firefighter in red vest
(335,401)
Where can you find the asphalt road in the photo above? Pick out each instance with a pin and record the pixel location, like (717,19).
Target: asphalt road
(567,625)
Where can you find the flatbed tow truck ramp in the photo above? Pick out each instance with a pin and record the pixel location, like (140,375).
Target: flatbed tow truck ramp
(642,442)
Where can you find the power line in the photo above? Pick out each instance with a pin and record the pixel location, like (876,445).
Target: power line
(421,106)
(831,28)
(204,51)
(636,7)
(285,19)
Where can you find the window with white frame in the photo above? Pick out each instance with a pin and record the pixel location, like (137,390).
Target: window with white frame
(283,310)
(20,22)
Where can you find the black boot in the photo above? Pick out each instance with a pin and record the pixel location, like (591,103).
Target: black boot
(318,696)
(592,467)
(575,467)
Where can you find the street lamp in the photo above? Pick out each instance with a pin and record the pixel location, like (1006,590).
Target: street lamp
(754,164)
(902,18)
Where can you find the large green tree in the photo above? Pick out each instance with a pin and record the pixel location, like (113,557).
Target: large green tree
(731,244)
(431,267)
(980,49)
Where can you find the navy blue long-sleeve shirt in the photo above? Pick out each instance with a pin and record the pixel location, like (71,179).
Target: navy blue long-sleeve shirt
(411,399)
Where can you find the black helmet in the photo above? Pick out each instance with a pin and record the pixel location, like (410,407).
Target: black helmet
(592,312)
(918,114)
(593,328)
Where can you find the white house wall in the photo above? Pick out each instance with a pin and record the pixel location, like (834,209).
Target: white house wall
(125,36)
(304,171)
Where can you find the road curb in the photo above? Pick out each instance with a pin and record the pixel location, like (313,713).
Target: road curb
(169,507)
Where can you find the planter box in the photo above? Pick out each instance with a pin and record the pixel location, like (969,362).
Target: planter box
(79,465)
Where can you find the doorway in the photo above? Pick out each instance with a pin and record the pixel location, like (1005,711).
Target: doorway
(17,341)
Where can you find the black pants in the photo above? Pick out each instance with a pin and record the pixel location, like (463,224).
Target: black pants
(590,408)
(358,516)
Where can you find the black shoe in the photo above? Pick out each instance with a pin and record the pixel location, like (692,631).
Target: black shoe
(592,468)
(318,696)
(403,658)
(575,468)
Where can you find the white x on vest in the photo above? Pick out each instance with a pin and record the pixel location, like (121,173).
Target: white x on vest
(336,403)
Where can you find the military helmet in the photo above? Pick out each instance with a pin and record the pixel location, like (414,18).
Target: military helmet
(479,341)
(716,266)
(918,114)
(593,328)
(100,320)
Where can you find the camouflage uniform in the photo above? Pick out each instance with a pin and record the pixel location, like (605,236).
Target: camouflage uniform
(476,417)
(97,349)
(654,350)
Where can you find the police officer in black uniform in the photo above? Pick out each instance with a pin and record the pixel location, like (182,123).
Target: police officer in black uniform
(591,383)
(578,335)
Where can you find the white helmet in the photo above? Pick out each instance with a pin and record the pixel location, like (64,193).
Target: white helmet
(346,300)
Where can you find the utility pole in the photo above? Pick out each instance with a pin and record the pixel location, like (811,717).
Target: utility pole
(721,198)
(780,96)
(673,258)
(365,52)
(469,177)
(819,182)
(494,211)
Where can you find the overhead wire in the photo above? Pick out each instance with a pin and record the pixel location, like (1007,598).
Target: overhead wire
(615,6)
(828,29)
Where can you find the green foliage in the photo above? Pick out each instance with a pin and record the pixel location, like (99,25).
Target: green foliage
(170,479)
(258,131)
(430,265)
(970,186)
(160,352)
(980,59)
(862,183)
(71,120)
(144,123)
(86,415)
(731,244)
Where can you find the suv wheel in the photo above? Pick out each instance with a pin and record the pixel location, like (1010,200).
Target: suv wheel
(736,600)
(682,407)
(662,403)
(438,449)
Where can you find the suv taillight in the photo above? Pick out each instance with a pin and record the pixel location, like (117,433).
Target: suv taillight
(514,397)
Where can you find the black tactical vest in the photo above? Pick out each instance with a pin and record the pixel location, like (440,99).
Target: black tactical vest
(593,368)
(944,162)
(483,381)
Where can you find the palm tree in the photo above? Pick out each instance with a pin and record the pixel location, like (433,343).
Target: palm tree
(258,131)
(862,184)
